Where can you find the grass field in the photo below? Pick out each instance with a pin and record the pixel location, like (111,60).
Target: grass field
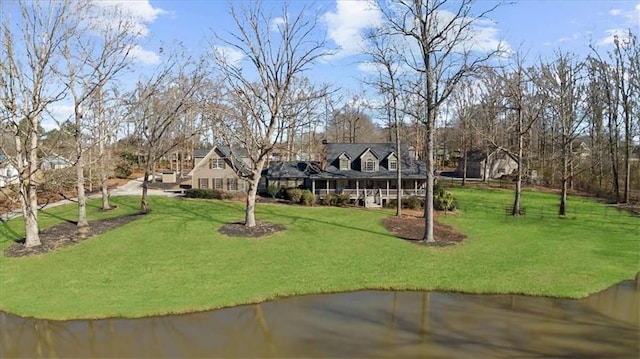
(174,260)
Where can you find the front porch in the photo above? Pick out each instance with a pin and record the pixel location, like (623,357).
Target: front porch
(369,193)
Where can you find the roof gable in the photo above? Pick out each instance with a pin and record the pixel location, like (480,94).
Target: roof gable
(223,152)
(369,150)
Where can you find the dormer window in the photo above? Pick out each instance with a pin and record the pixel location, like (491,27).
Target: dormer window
(369,166)
(344,161)
(393,165)
(216,164)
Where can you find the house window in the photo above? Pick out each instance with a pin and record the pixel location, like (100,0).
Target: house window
(203,183)
(344,164)
(216,163)
(369,166)
(232,184)
(217,183)
(393,165)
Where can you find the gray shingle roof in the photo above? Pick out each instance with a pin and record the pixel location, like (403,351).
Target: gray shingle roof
(410,168)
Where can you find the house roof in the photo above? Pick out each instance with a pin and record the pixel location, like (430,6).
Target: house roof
(55,160)
(476,156)
(200,153)
(410,168)
(225,152)
(480,155)
(292,169)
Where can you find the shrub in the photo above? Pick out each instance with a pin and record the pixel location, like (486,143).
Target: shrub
(343,199)
(294,195)
(412,202)
(308,198)
(204,193)
(444,201)
(273,190)
(123,171)
(328,200)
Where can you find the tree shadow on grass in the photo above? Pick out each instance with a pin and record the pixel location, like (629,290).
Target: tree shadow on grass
(321,221)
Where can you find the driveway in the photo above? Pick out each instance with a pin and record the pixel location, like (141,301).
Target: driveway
(131,188)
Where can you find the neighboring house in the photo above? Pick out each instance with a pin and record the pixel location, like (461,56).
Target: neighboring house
(8,172)
(497,164)
(366,171)
(54,163)
(217,169)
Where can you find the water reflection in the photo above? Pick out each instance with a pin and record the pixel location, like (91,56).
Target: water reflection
(361,324)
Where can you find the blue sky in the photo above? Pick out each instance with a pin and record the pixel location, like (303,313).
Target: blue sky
(536,27)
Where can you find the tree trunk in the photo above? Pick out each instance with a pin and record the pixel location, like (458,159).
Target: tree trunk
(104,189)
(516,202)
(563,191)
(32,237)
(428,198)
(82,206)
(613,151)
(82,199)
(250,216)
(144,200)
(627,152)
(252,191)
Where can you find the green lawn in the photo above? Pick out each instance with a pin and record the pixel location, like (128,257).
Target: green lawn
(174,260)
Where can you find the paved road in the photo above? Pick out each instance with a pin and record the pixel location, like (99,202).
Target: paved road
(131,188)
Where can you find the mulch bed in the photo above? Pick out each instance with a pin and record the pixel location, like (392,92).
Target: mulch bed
(67,234)
(238,229)
(410,226)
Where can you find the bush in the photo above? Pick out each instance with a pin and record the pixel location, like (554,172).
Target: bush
(444,201)
(328,200)
(412,202)
(123,171)
(308,198)
(273,190)
(343,199)
(204,193)
(294,195)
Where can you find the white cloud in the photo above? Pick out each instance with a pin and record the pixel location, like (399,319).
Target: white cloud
(346,26)
(231,56)
(277,23)
(631,21)
(60,112)
(143,56)
(572,37)
(138,14)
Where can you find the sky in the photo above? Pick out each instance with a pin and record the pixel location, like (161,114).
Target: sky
(537,28)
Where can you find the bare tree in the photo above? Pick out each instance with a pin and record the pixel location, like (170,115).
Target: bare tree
(624,51)
(158,103)
(97,53)
(280,50)
(384,55)
(562,84)
(27,87)
(441,32)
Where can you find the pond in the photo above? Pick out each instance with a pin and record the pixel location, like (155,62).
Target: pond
(358,324)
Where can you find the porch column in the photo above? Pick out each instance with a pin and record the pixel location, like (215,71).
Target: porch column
(415,187)
(387,189)
(327,186)
(313,186)
(357,189)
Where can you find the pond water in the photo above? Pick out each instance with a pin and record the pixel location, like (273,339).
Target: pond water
(359,324)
